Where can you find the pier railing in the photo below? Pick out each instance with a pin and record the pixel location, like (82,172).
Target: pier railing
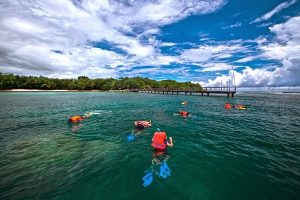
(205,90)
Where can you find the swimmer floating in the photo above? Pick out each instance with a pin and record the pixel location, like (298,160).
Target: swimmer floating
(160,141)
(142,124)
(227,106)
(240,107)
(183,113)
(77,118)
(184,103)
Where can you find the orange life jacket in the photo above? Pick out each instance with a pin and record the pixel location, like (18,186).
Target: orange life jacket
(228,106)
(75,119)
(159,140)
(184,113)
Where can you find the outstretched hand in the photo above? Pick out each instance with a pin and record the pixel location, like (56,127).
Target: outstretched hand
(171,141)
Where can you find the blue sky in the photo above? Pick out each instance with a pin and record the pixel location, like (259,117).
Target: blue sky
(246,43)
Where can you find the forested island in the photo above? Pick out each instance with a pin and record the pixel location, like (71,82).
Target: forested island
(11,81)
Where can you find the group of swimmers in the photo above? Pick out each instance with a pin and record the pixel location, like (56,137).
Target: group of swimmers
(159,143)
(160,140)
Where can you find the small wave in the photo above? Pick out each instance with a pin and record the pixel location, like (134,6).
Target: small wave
(99,112)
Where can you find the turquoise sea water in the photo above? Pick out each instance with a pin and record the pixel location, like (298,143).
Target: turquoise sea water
(218,153)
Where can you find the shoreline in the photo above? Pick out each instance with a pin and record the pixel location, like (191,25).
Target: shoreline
(37,90)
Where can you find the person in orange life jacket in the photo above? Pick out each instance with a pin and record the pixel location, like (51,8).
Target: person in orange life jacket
(240,107)
(183,113)
(77,118)
(142,124)
(160,141)
(227,106)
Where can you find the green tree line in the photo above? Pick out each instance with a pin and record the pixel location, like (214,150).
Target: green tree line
(11,81)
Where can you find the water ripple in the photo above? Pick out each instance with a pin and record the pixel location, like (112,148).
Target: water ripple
(218,154)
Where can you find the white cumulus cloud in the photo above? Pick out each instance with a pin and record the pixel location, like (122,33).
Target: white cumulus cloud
(285,48)
(205,53)
(60,37)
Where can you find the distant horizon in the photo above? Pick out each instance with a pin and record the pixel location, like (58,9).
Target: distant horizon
(220,42)
(270,89)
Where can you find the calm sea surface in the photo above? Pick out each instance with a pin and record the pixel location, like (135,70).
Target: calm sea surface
(218,153)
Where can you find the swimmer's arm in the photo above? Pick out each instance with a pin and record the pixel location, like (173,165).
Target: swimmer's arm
(170,143)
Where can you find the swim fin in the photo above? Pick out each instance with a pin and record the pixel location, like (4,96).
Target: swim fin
(148,178)
(130,137)
(164,170)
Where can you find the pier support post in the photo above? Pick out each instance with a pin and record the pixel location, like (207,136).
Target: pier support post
(208,94)
(227,94)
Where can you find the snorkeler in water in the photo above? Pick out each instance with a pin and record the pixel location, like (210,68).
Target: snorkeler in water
(74,121)
(78,118)
(142,124)
(184,103)
(160,141)
(183,113)
(139,127)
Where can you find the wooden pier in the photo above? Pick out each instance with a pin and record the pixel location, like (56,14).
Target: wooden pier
(229,91)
